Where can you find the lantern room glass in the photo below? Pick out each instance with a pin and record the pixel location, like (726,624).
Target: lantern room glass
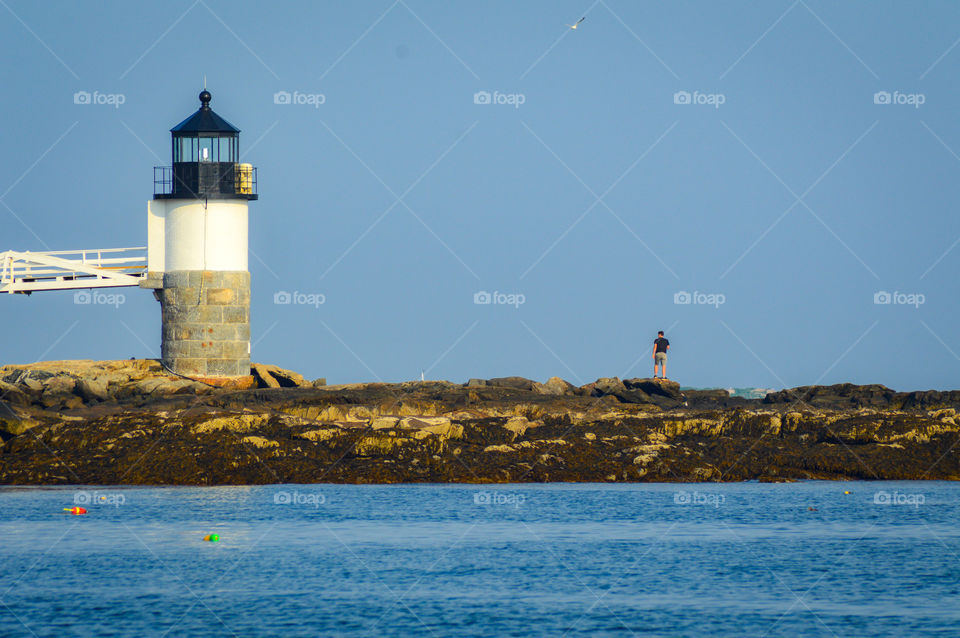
(205,148)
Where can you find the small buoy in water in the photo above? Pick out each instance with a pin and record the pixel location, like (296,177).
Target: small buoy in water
(847,492)
(213,538)
(76,511)
(811,509)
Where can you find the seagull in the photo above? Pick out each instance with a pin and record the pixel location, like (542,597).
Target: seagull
(574,25)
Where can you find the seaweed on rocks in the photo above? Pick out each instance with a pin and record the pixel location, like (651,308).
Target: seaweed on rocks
(129,422)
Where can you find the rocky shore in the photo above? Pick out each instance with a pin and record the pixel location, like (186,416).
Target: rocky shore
(132,422)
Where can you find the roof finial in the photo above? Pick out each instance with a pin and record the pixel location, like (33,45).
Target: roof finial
(205,99)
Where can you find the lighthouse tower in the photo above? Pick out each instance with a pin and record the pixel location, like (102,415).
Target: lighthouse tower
(197,249)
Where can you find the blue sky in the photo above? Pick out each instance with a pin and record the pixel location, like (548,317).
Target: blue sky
(810,166)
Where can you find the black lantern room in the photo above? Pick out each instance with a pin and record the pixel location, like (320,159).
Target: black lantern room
(206,153)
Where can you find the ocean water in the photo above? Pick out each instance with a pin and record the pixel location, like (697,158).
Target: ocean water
(745,393)
(750,393)
(743,559)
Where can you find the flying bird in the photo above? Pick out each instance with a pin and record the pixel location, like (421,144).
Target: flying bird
(574,25)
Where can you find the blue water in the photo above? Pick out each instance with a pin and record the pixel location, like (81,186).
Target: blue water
(673,560)
(744,393)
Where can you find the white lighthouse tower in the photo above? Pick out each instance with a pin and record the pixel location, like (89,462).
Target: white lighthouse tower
(197,250)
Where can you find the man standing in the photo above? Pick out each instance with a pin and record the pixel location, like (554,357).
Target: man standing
(660,347)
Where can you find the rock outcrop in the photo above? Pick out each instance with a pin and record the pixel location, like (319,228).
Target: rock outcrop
(129,422)
(847,396)
(555,386)
(65,385)
(269,376)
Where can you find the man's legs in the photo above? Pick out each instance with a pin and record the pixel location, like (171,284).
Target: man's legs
(660,360)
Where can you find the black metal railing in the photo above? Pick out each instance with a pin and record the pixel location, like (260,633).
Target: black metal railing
(162,180)
(205,180)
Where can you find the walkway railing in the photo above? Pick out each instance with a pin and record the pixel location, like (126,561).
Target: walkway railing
(25,272)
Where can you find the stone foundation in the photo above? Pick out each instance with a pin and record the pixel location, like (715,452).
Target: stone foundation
(206,323)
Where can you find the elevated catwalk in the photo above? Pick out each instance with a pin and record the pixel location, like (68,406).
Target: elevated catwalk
(26,272)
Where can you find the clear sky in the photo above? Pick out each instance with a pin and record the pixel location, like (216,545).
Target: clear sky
(811,165)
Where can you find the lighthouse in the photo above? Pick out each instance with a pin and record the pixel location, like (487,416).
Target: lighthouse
(197,249)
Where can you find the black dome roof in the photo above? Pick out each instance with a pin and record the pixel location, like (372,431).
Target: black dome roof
(204,121)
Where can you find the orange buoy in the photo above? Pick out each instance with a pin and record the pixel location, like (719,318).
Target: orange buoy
(76,511)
